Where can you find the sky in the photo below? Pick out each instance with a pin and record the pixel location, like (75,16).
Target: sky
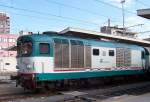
(56,15)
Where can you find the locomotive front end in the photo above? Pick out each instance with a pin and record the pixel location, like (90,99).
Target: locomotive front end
(35,56)
(25,64)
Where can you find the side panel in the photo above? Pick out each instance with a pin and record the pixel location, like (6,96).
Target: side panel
(61,56)
(123,57)
(104,61)
(73,75)
(87,56)
(119,57)
(58,55)
(136,61)
(95,59)
(73,55)
(35,64)
(65,55)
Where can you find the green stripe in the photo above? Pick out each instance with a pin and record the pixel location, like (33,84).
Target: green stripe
(73,75)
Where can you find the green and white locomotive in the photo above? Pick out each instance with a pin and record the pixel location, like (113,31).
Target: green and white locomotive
(46,58)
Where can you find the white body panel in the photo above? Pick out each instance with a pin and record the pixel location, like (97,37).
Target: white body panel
(35,64)
(103,60)
(136,60)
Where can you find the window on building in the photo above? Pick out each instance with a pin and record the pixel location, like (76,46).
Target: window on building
(44,48)
(13,40)
(96,52)
(3,47)
(2,40)
(10,40)
(111,53)
(5,39)
(11,54)
(7,63)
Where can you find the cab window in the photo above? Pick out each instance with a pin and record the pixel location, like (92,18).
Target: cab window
(44,48)
(25,49)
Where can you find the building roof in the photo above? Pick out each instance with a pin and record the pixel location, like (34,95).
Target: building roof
(120,30)
(98,35)
(11,48)
(144,13)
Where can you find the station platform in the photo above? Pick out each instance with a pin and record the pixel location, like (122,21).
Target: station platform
(129,98)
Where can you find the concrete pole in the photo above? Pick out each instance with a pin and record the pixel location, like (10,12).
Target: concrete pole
(123,16)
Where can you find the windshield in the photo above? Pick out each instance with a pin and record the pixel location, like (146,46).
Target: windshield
(24,49)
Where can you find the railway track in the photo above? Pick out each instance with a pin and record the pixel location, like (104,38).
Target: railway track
(8,92)
(115,91)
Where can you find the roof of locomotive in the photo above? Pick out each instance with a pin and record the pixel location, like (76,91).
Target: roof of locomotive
(35,37)
(92,42)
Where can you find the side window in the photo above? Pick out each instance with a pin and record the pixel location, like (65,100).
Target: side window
(143,55)
(96,52)
(111,53)
(73,42)
(64,41)
(60,41)
(76,42)
(80,43)
(44,48)
(56,40)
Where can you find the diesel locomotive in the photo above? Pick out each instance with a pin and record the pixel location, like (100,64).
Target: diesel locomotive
(44,59)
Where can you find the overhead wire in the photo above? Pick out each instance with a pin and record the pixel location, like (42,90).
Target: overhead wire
(111,5)
(81,9)
(50,14)
(65,17)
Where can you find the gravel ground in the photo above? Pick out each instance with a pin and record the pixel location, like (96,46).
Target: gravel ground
(10,93)
(9,87)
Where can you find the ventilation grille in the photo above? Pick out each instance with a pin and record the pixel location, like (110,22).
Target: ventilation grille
(123,57)
(73,55)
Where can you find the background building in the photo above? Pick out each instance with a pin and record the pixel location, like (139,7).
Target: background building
(4,23)
(7,58)
(7,40)
(114,30)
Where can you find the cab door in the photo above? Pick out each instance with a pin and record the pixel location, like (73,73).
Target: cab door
(95,57)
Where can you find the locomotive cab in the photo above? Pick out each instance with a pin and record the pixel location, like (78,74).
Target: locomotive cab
(24,51)
(33,56)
